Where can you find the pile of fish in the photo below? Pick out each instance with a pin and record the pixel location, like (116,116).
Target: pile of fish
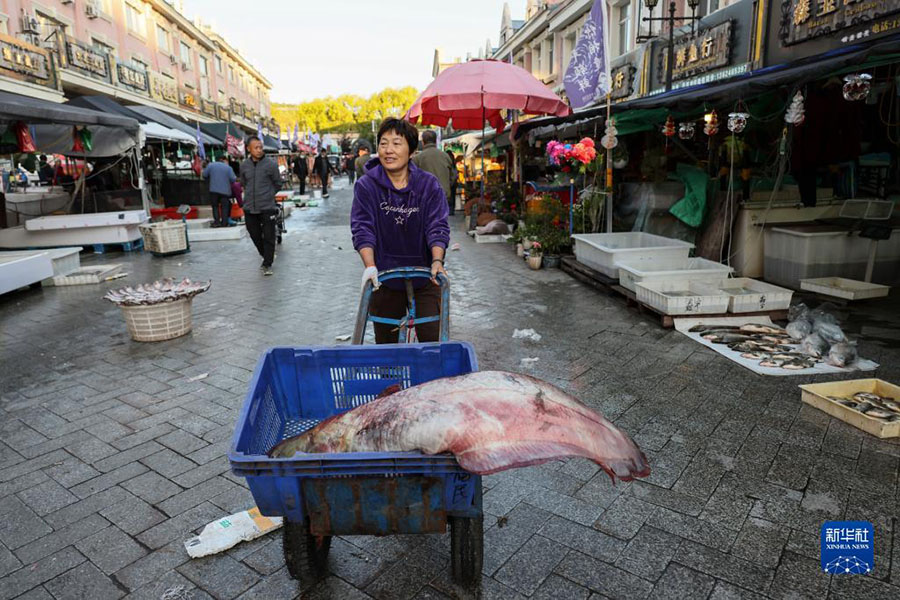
(490,420)
(872,405)
(165,290)
(769,344)
(820,336)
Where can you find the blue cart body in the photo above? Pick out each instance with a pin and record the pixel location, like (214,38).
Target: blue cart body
(377,493)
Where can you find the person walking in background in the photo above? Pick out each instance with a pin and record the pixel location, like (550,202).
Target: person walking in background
(350,168)
(220,178)
(321,168)
(454,182)
(361,161)
(301,170)
(436,162)
(260,180)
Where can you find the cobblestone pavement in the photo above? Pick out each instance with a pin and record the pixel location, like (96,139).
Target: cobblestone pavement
(113,452)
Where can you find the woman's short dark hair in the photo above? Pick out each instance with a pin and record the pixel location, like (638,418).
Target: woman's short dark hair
(400,127)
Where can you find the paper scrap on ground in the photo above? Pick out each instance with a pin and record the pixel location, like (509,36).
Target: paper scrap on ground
(528,362)
(683,324)
(229,531)
(454,247)
(343,338)
(526,334)
(199,377)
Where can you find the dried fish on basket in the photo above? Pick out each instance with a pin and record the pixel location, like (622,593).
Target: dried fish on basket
(164,290)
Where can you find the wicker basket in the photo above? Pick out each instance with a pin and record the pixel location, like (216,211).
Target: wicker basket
(164,238)
(158,322)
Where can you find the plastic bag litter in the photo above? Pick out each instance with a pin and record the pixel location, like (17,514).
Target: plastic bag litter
(528,362)
(455,247)
(824,313)
(494,227)
(527,334)
(229,531)
(814,345)
(799,329)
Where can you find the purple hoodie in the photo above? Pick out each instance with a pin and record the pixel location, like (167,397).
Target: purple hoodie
(400,225)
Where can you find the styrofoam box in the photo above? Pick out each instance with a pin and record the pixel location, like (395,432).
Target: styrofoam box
(19,271)
(107,219)
(670,269)
(849,289)
(682,297)
(750,295)
(603,251)
(814,251)
(63,260)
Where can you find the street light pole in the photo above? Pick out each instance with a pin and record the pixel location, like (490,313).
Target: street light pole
(670,46)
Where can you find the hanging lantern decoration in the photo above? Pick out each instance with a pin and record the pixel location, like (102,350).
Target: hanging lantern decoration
(711,126)
(609,140)
(669,128)
(77,144)
(796,113)
(737,121)
(23,138)
(686,130)
(857,86)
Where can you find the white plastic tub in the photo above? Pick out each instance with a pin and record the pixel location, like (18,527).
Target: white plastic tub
(682,297)
(20,271)
(816,251)
(603,251)
(848,289)
(669,269)
(749,295)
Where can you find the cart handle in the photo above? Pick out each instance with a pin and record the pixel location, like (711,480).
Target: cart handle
(407,274)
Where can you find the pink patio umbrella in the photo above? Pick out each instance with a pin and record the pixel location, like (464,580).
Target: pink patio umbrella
(471,93)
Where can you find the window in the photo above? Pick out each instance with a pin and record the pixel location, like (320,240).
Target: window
(624,28)
(230,73)
(221,96)
(186,55)
(536,61)
(568,48)
(4,29)
(139,65)
(551,65)
(162,40)
(103,47)
(219,65)
(204,66)
(134,19)
(707,7)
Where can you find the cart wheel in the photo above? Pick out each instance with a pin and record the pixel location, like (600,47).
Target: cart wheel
(278,238)
(305,555)
(466,550)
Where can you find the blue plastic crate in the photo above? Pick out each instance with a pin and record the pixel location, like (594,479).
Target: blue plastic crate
(293,389)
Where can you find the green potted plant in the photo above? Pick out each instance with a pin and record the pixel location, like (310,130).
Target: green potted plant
(535,256)
(552,240)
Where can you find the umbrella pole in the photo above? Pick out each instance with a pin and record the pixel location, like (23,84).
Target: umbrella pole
(609,172)
(482,147)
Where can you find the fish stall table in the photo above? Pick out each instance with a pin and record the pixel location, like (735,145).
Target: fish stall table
(601,282)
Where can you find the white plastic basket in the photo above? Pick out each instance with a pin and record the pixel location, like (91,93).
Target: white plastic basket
(165,237)
(158,322)
(603,251)
(848,289)
(750,295)
(679,269)
(682,297)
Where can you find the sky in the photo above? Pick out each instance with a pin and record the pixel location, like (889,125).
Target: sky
(316,48)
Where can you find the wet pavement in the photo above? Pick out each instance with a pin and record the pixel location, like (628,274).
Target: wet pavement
(113,452)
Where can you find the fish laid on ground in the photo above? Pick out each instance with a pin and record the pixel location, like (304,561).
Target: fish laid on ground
(842,354)
(490,420)
(814,345)
(799,329)
(758,328)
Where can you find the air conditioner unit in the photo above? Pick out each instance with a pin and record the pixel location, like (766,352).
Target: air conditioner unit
(30,24)
(185,66)
(92,10)
(172,59)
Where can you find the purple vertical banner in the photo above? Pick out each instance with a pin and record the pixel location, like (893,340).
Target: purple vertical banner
(587,75)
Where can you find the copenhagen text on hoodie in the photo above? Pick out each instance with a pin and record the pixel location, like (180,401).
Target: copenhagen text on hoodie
(401,226)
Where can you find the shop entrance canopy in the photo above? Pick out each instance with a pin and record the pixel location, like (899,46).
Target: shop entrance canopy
(53,123)
(173,123)
(152,129)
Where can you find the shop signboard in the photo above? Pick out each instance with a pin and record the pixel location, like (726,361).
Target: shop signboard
(25,62)
(803,20)
(88,60)
(188,98)
(207,107)
(163,88)
(625,75)
(708,50)
(132,78)
(805,28)
(223,113)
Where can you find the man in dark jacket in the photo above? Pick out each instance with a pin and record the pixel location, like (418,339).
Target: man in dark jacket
(261,180)
(436,162)
(321,167)
(301,170)
(220,178)
(361,161)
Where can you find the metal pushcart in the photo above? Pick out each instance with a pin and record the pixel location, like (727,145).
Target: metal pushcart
(378,493)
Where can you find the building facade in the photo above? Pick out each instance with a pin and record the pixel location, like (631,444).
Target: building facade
(543,42)
(136,51)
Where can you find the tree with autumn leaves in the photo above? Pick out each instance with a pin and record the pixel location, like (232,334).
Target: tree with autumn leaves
(344,113)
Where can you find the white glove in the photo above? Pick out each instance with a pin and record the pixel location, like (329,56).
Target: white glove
(371,273)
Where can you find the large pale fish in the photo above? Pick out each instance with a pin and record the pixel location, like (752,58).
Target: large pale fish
(490,420)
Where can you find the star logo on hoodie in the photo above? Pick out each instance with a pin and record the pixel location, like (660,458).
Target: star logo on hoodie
(399,220)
